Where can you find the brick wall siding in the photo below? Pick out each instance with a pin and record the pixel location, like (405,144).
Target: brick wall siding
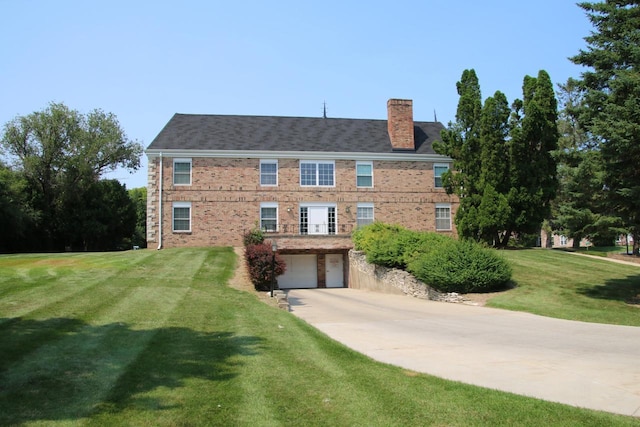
(225,197)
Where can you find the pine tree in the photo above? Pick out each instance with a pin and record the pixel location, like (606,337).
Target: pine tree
(612,101)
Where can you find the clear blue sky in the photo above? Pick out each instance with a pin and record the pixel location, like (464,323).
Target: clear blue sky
(146,60)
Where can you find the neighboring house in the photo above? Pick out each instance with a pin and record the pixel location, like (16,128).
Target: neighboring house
(307,182)
(553,240)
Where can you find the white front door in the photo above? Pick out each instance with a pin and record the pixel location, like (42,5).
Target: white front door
(334,271)
(317,219)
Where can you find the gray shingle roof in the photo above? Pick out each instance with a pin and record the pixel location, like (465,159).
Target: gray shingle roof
(225,132)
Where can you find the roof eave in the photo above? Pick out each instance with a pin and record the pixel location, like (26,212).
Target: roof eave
(301,155)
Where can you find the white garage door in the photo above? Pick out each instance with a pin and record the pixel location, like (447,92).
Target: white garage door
(301,272)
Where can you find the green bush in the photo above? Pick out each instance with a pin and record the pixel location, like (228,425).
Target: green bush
(415,244)
(394,246)
(365,237)
(254,236)
(462,266)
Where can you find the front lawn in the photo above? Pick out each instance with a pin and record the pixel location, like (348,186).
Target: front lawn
(569,286)
(157,338)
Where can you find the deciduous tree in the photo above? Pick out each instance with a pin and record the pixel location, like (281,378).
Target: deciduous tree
(61,154)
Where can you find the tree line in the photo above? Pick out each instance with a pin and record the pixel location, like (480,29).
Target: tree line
(52,197)
(572,168)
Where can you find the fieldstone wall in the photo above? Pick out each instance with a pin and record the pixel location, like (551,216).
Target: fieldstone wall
(363,275)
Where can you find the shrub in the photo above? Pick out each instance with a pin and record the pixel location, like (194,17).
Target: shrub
(366,236)
(259,259)
(254,236)
(462,266)
(416,244)
(394,246)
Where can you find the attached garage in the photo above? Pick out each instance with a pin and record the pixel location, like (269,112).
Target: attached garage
(302,272)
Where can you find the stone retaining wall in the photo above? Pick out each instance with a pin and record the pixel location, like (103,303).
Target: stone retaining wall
(363,275)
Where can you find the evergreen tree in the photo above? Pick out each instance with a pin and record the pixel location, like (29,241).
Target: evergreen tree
(612,101)
(580,209)
(534,137)
(503,170)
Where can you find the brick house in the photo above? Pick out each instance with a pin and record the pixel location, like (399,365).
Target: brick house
(307,182)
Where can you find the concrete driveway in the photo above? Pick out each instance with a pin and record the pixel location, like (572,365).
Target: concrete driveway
(582,364)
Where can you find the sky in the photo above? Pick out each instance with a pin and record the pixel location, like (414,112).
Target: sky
(144,61)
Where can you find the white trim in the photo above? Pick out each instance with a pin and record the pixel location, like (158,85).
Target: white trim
(365,163)
(299,155)
(160,206)
(182,160)
(175,205)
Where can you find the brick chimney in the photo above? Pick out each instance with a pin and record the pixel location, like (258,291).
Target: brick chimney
(400,124)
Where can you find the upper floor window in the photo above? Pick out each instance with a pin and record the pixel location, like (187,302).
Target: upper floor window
(443,216)
(438,170)
(182,171)
(364,174)
(268,172)
(182,216)
(365,214)
(317,173)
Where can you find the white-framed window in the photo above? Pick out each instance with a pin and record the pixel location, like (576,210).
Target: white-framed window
(268,172)
(365,214)
(181,171)
(563,240)
(364,174)
(443,216)
(181,217)
(269,217)
(317,173)
(438,170)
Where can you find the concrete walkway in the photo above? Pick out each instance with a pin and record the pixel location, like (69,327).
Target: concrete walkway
(581,364)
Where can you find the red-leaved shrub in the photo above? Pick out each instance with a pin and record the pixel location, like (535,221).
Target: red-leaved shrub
(259,260)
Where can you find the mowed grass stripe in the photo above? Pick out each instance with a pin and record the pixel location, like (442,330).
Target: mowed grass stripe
(105,333)
(563,285)
(52,278)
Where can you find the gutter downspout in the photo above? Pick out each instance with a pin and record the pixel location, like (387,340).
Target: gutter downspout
(160,207)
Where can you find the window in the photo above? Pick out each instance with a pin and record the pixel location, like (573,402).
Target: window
(182,216)
(269,217)
(268,172)
(443,216)
(364,174)
(438,170)
(563,240)
(182,171)
(365,214)
(319,174)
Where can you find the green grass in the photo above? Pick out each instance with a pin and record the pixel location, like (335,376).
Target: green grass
(156,338)
(602,251)
(568,286)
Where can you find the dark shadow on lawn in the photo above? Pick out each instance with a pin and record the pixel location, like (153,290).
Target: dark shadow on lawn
(63,368)
(626,290)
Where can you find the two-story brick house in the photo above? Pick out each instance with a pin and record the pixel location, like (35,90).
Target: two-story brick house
(307,182)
